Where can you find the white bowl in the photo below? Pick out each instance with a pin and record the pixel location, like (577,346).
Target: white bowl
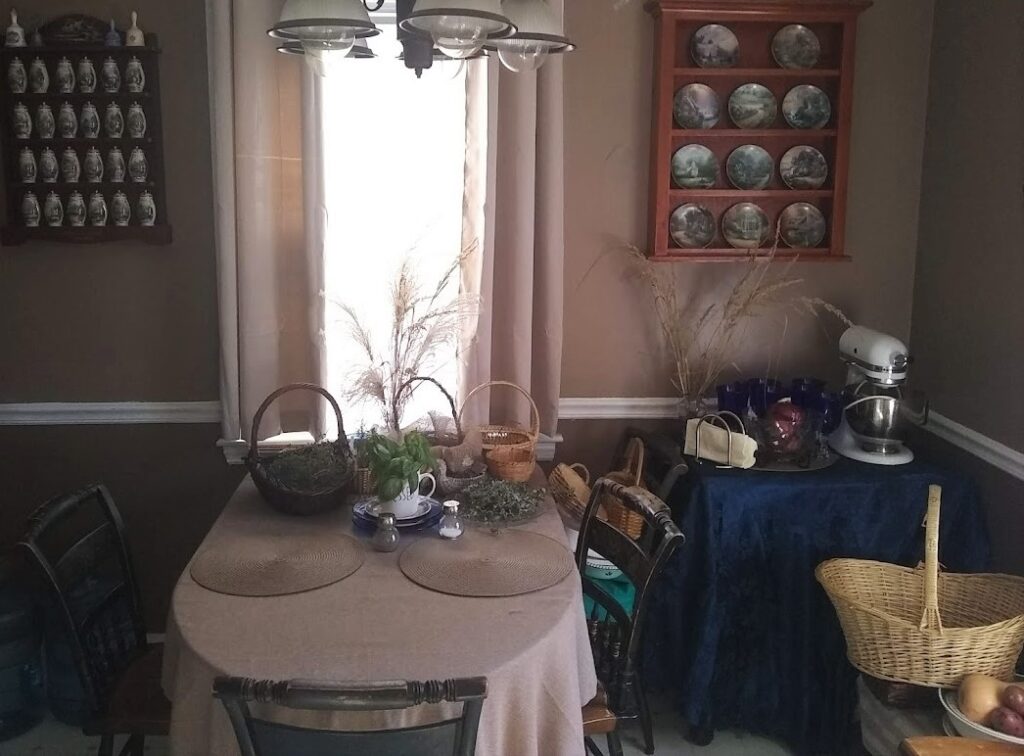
(597,566)
(968,729)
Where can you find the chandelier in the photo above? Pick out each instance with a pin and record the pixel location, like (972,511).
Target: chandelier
(522,33)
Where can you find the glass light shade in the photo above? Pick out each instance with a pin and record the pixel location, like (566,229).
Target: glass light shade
(458,28)
(538,34)
(359,50)
(335,22)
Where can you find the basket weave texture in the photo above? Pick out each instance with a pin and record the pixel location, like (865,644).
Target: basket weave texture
(922,627)
(570,488)
(629,522)
(510,451)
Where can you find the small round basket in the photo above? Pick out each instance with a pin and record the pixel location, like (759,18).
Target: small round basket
(451,485)
(283,497)
(632,474)
(570,488)
(433,437)
(512,463)
(507,437)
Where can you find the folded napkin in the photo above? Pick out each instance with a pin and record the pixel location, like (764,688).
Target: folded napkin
(714,444)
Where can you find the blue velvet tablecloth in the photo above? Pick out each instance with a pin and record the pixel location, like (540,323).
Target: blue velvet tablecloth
(739,629)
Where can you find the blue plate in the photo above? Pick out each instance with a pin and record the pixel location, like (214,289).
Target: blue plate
(366,521)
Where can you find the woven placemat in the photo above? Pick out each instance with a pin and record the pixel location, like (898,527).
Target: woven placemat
(278,566)
(487,564)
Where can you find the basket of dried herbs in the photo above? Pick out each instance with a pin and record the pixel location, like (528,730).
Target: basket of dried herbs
(500,502)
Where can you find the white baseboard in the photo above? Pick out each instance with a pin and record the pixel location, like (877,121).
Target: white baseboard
(110,413)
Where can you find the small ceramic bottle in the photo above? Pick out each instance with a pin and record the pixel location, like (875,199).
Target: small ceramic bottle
(27,168)
(138,168)
(113,121)
(113,38)
(115,166)
(15,36)
(135,76)
(76,212)
(86,76)
(135,36)
(93,166)
(17,77)
(64,76)
(386,537)
(21,122)
(46,126)
(146,209)
(90,121)
(49,168)
(30,211)
(136,121)
(97,210)
(70,168)
(120,210)
(110,76)
(38,77)
(67,121)
(53,210)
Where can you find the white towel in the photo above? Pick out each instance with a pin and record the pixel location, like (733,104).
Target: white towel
(714,444)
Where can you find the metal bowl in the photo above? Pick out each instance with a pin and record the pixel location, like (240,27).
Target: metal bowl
(876,422)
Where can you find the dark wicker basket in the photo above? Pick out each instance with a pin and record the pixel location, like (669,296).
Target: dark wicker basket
(286,499)
(433,438)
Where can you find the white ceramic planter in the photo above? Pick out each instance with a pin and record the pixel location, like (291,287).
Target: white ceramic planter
(408,502)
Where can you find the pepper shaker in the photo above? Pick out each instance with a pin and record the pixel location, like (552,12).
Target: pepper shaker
(386,537)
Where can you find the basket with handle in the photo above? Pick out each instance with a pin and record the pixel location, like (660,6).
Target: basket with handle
(510,451)
(435,438)
(632,474)
(277,493)
(570,488)
(924,627)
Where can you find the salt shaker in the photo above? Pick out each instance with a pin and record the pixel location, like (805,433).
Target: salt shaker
(451,526)
(386,537)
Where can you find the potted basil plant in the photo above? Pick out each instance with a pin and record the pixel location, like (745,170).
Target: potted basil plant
(398,469)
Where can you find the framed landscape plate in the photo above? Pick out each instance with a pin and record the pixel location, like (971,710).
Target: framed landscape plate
(753,106)
(692,226)
(796,46)
(807,107)
(803,167)
(750,167)
(694,167)
(746,226)
(696,106)
(802,226)
(714,46)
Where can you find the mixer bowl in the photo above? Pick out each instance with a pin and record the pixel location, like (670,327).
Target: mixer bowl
(877,423)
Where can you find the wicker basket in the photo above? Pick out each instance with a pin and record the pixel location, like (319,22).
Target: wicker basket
(363,484)
(435,439)
(450,485)
(925,628)
(506,436)
(288,500)
(570,488)
(629,522)
(512,463)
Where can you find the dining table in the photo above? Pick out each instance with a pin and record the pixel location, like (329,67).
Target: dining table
(377,624)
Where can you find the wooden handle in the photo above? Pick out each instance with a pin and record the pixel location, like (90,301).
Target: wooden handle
(420,379)
(635,460)
(255,436)
(582,470)
(931,619)
(535,413)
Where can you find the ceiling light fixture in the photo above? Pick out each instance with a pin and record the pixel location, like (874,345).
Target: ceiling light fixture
(458,28)
(538,34)
(324,25)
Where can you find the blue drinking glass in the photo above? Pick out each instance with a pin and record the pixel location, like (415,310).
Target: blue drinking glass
(734,397)
(805,392)
(764,392)
(830,404)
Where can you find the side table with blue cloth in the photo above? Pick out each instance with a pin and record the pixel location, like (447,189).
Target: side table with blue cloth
(739,629)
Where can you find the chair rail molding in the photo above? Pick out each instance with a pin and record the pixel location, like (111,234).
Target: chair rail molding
(988,449)
(110,413)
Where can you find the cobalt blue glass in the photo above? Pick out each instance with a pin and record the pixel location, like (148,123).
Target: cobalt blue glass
(764,392)
(830,404)
(734,397)
(805,392)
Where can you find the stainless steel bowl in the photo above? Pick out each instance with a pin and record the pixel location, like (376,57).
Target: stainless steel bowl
(876,420)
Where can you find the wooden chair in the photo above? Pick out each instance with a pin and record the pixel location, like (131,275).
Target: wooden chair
(957,747)
(615,635)
(77,541)
(257,737)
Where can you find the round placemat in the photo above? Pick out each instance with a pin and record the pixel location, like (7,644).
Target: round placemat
(278,566)
(487,564)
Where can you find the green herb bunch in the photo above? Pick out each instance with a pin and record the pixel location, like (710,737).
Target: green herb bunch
(499,501)
(395,465)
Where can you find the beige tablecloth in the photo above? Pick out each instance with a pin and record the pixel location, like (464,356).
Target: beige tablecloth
(377,624)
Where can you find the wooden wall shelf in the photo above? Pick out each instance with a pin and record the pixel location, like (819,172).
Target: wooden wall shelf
(15,235)
(754,24)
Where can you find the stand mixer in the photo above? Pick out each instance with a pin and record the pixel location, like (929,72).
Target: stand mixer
(876,410)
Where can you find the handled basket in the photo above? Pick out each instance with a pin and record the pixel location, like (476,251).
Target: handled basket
(629,522)
(433,437)
(570,488)
(510,451)
(278,494)
(922,627)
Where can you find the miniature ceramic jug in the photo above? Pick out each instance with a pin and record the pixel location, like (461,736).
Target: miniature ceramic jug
(67,121)
(138,168)
(46,126)
(65,76)
(90,121)
(110,75)
(135,76)
(147,209)
(76,212)
(120,210)
(115,166)
(136,121)
(27,167)
(21,122)
(97,210)
(93,166)
(113,121)
(30,210)
(38,77)
(53,210)
(113,38)
(135,36)
(15,36)
(17,77)
(49,169)
(70,168)
(86,76)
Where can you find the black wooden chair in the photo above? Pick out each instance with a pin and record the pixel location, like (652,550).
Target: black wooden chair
(77,541)
(258,737)
(615,634)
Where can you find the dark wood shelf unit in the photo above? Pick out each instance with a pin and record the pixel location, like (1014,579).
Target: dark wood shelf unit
(15,235)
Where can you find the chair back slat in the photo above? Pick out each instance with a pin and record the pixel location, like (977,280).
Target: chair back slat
(87,556)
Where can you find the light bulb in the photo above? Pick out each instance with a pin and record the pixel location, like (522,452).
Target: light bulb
(325,58)
(327,38)
(519,55)
(458,37)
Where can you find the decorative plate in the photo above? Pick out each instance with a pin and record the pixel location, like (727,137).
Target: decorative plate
(802,225)
(361,519)
(796,46)
(753,106)
(692,226)
(694,167)
(803,167)
(697,107)
(746,226)
(750,167)
(714,46)
(371,508)
(807,107)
